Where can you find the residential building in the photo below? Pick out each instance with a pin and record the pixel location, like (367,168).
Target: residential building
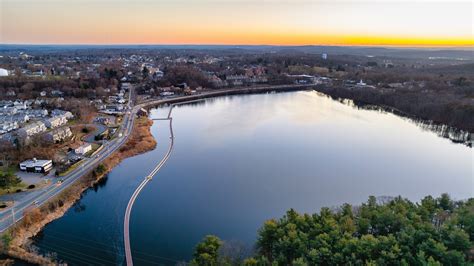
(103,120)
(8,110)
(166,93)
(83,149)
(36,113)
(20,105)
(67,114)
(31,129)
(142,112)
(3,72)
(55,121)
(58,134)
(7,126)
(57,93)
(236,80)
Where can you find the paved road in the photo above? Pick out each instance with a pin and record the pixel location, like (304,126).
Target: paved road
(12,215)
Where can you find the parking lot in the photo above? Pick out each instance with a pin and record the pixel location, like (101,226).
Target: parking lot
(35,178)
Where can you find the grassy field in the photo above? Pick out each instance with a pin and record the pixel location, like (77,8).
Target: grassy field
(13,189)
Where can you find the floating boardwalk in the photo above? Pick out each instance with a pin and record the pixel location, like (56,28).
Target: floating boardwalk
(126,224)
(174,102)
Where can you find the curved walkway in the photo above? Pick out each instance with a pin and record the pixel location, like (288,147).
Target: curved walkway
(126,224)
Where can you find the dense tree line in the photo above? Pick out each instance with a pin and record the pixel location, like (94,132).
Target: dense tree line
(436,231)
(190,75)
(444,107)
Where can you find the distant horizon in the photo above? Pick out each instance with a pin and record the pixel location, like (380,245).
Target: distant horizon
(465,47)
(391,23)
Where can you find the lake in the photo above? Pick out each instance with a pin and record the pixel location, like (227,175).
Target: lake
(240,160)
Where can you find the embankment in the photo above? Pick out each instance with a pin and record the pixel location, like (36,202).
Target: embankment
(17,241)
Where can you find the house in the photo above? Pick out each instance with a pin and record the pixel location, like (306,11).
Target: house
(216,81)
(20,105)
(236,80)
(142,112)
(58,134)
(20,118)
(83,149)
(37,166)
(31,129)
(8,110)
(67,114)
(36,113)
(303,79)
(166,93)
(57,93)
(103,120)
(4,104)
(361,84)
(395,85)
(3,72)
(158,74)
(7,126)
(55,121)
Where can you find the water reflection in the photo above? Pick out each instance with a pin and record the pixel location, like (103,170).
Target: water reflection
(241,160)
(101,183)
(454,134)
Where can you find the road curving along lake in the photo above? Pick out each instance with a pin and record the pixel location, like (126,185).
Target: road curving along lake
(240,160)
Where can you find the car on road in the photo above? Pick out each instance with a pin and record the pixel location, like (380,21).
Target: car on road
(35,202)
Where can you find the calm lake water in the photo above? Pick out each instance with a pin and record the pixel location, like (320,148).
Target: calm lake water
(241,160)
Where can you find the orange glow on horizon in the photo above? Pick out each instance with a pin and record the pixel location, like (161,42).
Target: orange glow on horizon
(237,22)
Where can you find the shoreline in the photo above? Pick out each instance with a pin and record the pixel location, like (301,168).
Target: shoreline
(444,130)
(19,247)
(140,141)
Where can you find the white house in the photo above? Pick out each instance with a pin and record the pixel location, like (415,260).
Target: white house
(32,129)
(361,84)
(7,126)
(55,121)
(58,134)
(83,149)
(3,72)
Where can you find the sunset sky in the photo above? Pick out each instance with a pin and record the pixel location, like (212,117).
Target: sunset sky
(290,22)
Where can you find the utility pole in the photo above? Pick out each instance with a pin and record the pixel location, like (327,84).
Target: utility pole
(13,213)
